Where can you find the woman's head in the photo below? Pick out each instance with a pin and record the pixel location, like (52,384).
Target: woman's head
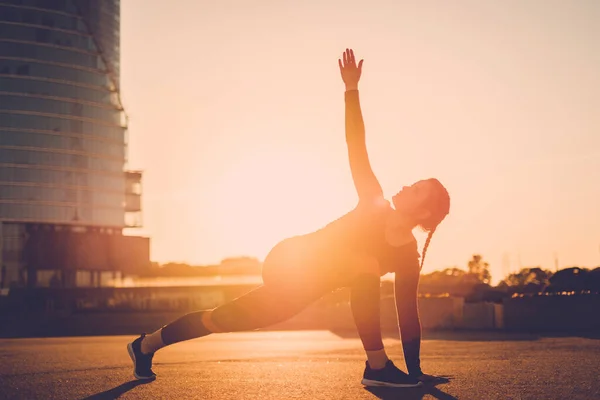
(425,204)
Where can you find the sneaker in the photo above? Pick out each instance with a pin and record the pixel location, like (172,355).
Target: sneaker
(388,376)
(142,363)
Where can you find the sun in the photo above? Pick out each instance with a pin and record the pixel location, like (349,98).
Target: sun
(264,199)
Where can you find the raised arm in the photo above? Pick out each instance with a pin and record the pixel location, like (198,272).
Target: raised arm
(366,183)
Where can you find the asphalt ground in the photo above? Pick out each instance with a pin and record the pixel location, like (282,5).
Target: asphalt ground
(299,365)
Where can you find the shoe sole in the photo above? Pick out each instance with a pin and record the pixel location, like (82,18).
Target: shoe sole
(369,382)
(132,356)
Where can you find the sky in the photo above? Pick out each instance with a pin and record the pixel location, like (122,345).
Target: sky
(236,117)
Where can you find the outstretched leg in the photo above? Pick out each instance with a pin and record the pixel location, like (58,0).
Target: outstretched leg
(259,308)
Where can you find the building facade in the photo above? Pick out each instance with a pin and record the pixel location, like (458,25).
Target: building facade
(65,196)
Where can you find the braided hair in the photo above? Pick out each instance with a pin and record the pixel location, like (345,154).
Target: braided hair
(426,246)
(439,205)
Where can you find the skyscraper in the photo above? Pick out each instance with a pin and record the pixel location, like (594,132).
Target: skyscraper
(65,195)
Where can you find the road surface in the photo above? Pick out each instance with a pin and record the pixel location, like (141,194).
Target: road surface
(299,365)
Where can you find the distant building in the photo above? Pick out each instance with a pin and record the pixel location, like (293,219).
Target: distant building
(65,194)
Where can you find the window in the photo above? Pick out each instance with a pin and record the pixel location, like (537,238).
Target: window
(66,214)
(40,52)
(47,35)
(48,158)
(38,122)
(41,35)
(33,86)
(57,141)
(71,178)
(28,16)
(57,5)
(81,196)
(47,20)
(64,108)
(23,70)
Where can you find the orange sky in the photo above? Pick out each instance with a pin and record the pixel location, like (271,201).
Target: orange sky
(236,118)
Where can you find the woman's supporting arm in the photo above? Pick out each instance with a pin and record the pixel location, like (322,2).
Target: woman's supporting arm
(406,294)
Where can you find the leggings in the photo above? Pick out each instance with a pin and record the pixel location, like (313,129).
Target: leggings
(290,285)
(288,289)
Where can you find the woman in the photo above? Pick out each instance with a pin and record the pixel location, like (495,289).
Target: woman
(353,251)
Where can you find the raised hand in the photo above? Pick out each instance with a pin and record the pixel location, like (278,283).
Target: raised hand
(349,70)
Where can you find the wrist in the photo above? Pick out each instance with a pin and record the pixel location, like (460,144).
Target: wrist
(351,87)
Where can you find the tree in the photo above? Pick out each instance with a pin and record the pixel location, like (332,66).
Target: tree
(527,280)
(453,281)
(480,269)
(574,279)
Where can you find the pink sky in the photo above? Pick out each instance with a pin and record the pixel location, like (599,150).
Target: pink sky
(236,118)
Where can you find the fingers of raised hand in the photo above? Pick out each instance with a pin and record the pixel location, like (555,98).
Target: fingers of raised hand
(348,57)
(348,60)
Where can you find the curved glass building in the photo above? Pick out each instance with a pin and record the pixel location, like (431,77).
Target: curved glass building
(62,126)
(63,129)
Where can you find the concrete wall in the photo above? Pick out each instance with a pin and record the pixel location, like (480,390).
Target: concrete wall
(71,310)
(553,313)
(441,312)
(332,312)
(479,316)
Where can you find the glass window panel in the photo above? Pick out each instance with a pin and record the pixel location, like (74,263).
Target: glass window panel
(65,214)
(48,36)
(39,69)
(38,122)
(33,86)
(87,179)
(40,157)
(58,5)
(39,17)
(66,108)
(61,142)
(12,230)
(68,195)
(46,53)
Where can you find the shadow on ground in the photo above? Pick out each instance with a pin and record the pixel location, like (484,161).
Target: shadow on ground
(380,393)
(412,393)
(115,392)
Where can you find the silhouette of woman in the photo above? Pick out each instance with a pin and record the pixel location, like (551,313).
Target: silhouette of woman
(353,251)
